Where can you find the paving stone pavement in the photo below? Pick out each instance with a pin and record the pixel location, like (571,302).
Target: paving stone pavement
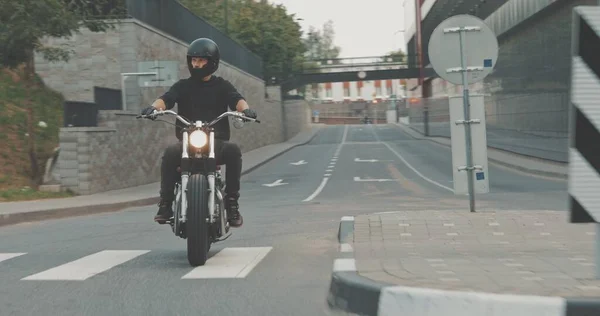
(510,252)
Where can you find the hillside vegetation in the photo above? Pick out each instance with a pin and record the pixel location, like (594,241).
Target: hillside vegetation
(23,105)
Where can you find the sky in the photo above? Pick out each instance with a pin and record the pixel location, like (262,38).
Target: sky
(362,28)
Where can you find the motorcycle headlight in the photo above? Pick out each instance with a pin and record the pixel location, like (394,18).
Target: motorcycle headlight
(198,139)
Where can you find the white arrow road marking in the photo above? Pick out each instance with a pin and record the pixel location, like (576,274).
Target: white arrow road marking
(230,263)
(365,160)
(358,179)
(274,184)
(301,162)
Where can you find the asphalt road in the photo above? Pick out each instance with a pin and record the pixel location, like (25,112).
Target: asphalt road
(278,263)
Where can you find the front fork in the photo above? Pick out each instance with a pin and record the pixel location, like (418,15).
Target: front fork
(211,178)
(211,183)
(214,191)
(185,175)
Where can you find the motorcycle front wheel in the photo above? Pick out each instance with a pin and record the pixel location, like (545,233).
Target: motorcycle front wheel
(197,226)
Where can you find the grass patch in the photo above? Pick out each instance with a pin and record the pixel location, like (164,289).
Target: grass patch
(21,99)
(28,193)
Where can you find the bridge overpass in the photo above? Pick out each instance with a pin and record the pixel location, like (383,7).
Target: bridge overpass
(354,69)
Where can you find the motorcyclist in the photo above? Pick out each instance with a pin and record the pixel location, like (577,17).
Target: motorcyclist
(202,96)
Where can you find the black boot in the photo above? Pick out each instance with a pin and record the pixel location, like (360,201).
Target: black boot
(165,212)
(234,217)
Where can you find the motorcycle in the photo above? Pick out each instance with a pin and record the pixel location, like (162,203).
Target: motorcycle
(199,213)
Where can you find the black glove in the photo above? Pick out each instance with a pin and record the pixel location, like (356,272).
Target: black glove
(148,111)
(250,113)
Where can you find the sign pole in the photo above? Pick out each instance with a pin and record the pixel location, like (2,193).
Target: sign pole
(467,110)
(463,62)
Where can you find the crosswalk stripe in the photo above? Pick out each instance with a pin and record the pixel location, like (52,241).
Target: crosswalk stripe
(230,263)
(88,266)
(6,256)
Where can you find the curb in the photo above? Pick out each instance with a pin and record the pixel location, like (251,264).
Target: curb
(16,218)
(556,175)
(352,293)
(57,213)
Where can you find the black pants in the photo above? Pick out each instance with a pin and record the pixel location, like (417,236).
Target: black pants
(226,153)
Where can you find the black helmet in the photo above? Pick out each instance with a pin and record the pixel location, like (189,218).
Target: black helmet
(205,48)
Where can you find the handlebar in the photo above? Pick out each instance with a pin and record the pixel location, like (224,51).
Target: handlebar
(187,123)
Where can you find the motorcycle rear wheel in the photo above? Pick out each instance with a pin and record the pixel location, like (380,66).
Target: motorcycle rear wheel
(197,226)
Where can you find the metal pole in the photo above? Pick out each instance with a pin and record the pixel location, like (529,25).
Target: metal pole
(419,43)
(420,61)
(467,110)
(123,101)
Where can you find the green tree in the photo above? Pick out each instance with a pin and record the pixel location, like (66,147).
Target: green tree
(265,29)
(25,22)
(396,56)
(320,43)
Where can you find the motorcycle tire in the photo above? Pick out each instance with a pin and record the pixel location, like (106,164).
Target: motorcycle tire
(197,227)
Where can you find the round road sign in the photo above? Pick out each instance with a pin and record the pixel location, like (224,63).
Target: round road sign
(480,49)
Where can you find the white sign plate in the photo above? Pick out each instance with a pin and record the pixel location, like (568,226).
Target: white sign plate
(481,178)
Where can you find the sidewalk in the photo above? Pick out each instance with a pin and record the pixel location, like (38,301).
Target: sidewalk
(16,212)
(460,263)
(511,160)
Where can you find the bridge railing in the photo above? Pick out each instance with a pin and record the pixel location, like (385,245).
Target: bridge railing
(356,63)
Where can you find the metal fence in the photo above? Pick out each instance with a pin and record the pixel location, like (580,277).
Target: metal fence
(176,20)
(527,110)
(515,123)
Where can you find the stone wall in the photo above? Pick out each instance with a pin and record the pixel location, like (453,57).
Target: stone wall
(122,151)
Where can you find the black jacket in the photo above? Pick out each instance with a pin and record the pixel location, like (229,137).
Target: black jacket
(203,100)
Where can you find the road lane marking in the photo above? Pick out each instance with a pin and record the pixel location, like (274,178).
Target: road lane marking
(372,128)
(344,265)
(230,263)
(337,152)
(86,267)
(330,167)
(406,183)
(415,170)
(318,190)
(346,248)
(6,256)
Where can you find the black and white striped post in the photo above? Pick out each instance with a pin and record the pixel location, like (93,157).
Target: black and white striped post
(584,147)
